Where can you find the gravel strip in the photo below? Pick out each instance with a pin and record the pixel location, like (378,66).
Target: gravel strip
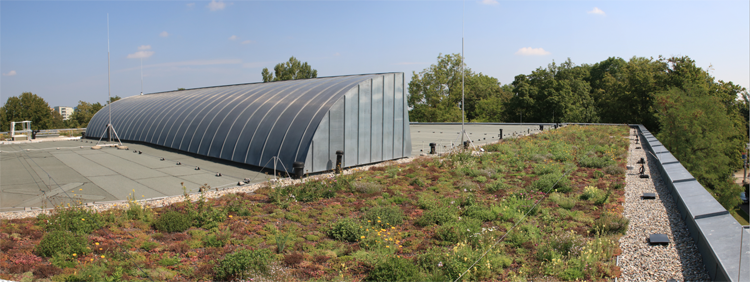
(680,260)
(211,194)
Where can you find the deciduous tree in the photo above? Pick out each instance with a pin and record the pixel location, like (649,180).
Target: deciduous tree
(697,130)
(27,106)
(293,69)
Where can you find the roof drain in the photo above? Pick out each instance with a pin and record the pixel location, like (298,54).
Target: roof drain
(648,196)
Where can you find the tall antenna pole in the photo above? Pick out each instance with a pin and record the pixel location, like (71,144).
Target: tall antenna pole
(463,102)
(109,87)
(141,75)
(110,129)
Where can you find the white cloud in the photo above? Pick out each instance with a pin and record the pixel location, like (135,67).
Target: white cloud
(164,34)
(246,42)
(142,52)
(10,73)
(140,55)
(233,37)
(190,5)
(528,51)
(215,6)
(489,2)
(596,11)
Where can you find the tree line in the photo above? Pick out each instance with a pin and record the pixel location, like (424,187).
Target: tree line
(31,107)
(701,120)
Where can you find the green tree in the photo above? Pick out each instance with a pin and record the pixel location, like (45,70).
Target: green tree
(697,130)
(559,93)
(4,123)
(83,114)
(486,99)
(113,99)
(615,82)
(435,92)
(27,106)
(293,69)
(57,120)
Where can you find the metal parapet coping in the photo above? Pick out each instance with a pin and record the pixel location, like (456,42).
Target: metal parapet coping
(716,233)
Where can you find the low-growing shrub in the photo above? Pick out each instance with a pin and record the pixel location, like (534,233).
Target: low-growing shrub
(427,201)
(306,192)
(479,212)
(614,169)
(173,221)
(594,161)
(75,219)
(467,185)
(293,259)
(598,174)
(394,269)
(385,217)
(610,223)
(601,200)
(458,231)
(563,201)
(62,242)
(419,182)
(545,168)
(169,261)
(495,186)
(367,187)
(481,179)
(552,182)
(440,215)
(148,245)
(591,192)
(237,264)
(346,229)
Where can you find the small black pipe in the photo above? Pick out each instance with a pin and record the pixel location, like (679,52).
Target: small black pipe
(432,148)
(299,169)
(500,136)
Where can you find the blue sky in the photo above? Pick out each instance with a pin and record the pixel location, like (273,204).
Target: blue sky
(58,49)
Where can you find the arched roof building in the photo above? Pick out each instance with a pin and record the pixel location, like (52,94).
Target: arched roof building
(307,120)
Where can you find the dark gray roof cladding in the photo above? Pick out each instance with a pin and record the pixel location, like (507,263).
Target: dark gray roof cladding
(246,123)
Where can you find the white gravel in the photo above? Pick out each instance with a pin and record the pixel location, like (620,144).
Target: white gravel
(680,260)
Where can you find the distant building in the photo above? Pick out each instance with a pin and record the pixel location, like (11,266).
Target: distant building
(65,112)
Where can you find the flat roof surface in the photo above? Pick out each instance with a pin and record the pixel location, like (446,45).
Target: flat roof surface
(29,171)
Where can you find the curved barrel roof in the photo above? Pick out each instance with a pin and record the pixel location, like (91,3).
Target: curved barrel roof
(247,123)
